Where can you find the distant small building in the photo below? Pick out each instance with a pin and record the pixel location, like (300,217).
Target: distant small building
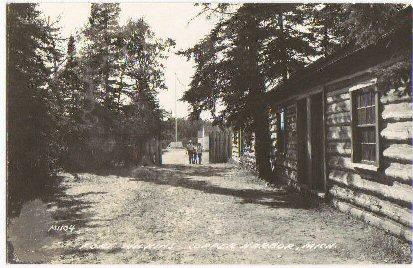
(203,139)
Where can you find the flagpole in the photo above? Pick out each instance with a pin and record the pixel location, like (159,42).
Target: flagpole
(176,115)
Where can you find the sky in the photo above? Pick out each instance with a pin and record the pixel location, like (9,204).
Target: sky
(167,20)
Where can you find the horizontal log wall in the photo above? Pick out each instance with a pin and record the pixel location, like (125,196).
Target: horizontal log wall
(382,198)
(375,220)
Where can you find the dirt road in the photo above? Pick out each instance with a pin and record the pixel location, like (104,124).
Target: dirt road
(180,213)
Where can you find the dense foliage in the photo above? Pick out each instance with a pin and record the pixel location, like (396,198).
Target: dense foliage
(90,106)
(30,124)
(359,25)
(121,72)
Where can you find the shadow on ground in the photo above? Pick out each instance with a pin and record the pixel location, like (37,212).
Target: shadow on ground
(195,177)
(34,215)
(189,177)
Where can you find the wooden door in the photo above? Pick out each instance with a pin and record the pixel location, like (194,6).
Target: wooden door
(317,142)
(310,130)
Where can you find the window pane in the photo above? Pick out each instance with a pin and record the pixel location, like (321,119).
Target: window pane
(364,152)
(367,96)
(372,152)
(368,152)
(372,102)
(363,136)
(371,114)
(361,116)
(364,104)
(372,135)
(368,116)
(361,104)
(367,135)
(365,99)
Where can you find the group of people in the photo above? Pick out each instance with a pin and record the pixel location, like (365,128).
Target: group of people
(194,151)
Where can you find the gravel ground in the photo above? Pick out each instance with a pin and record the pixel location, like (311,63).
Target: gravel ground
(180,213)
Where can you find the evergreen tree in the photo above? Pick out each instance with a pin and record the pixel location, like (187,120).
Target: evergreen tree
(352,26)
(101,53)
(73,103)
(143,68)
(249,49)
(367,23)
(339,25)
(100,71)
(71,82)
(324,22)
(123,71)
(77,111)
(30,125)
(288,46)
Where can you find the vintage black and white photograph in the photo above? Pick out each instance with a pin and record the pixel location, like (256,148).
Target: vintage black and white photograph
(208,133)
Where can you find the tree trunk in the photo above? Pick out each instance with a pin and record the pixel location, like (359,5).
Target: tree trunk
(262,142)
(258,108)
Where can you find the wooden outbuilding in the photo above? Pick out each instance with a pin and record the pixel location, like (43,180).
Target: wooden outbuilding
(337,134)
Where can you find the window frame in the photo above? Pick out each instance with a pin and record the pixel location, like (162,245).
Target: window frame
(355,142)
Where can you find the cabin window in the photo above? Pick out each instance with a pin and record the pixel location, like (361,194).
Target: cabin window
(365,126)
(281,132)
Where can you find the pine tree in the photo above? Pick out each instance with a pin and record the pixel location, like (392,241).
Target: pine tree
(324,23)
(31,49)
(101,54)
(72,98)
(351,26)
(288,45)
(250,48)
(143,71)
(123,72)
(367,23)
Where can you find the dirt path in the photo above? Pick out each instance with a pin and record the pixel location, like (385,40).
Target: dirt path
(202,214)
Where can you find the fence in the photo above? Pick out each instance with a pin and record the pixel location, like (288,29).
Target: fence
(220,146)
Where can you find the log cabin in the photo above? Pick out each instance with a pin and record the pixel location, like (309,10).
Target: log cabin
(339,135)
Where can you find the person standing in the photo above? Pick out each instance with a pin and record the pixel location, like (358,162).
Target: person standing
(199,153)
(190,151)
(195,154)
